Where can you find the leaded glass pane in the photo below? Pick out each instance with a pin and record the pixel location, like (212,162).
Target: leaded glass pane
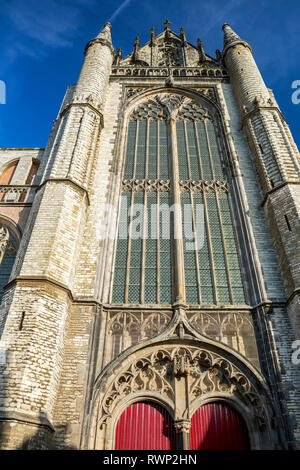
(141,150)
(223,295)
(238,295)
(204,152)
(193,151)
(129,160)
(182,154)
(133,294)
(215,154)
(163,150)
(152,150)
(207,295)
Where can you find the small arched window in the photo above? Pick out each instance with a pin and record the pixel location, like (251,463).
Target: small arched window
(8,250)
(8,172)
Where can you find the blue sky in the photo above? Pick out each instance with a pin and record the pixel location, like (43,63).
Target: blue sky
(42,45)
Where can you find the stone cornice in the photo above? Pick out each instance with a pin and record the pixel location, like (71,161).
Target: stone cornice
(55,283)
(85,104)
(23,418)
(67,181)
(39,279)
(261,108)
(273,190)
(293,294)
(102,41)
(235,43)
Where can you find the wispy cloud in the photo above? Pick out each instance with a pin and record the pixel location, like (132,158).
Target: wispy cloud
(217,15)
(50,23)
(119,10)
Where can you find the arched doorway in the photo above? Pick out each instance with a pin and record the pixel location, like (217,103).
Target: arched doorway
(217,426)
(145,426)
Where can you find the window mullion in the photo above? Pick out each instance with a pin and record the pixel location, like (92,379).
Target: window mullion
(179,286)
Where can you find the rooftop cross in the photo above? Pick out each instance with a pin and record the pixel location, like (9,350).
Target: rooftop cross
(167,25)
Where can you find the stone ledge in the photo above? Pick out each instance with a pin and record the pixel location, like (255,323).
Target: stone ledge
(23,418)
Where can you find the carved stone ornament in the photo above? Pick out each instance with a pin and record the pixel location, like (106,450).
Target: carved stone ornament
(4,238)
(183,425)
(169,53)
(164,106)
(146,185)
(203,186)
(6,246)
(134,91)
(181,363)
(155,371)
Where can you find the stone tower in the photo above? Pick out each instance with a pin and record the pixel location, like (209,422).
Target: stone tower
(150,258)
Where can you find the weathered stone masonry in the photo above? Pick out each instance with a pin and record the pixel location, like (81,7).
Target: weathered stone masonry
(66,349)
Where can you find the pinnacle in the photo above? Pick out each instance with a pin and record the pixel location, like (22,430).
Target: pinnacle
(231,38)
(229,35)
(105,33)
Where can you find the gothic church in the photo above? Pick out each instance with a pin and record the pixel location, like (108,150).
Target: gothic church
(142,342)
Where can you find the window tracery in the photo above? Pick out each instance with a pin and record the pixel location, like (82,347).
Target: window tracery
(144,271)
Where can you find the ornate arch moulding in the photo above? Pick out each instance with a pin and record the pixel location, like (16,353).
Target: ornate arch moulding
(155,368)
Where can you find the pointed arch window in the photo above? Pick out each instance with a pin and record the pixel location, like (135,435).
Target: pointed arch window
(173,157)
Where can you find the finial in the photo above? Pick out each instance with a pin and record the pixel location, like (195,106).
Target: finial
(167,25)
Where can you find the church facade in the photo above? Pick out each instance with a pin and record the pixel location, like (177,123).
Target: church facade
(150,266)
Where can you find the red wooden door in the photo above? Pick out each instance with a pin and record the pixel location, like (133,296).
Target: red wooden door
(216,426)
(145,426)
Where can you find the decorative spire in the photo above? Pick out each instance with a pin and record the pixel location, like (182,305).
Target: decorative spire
(202,56)
(136,48)
(183,36)
(118,57)
(105,33)
(152,37)
(104,37)
(218,56)
(231,38)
